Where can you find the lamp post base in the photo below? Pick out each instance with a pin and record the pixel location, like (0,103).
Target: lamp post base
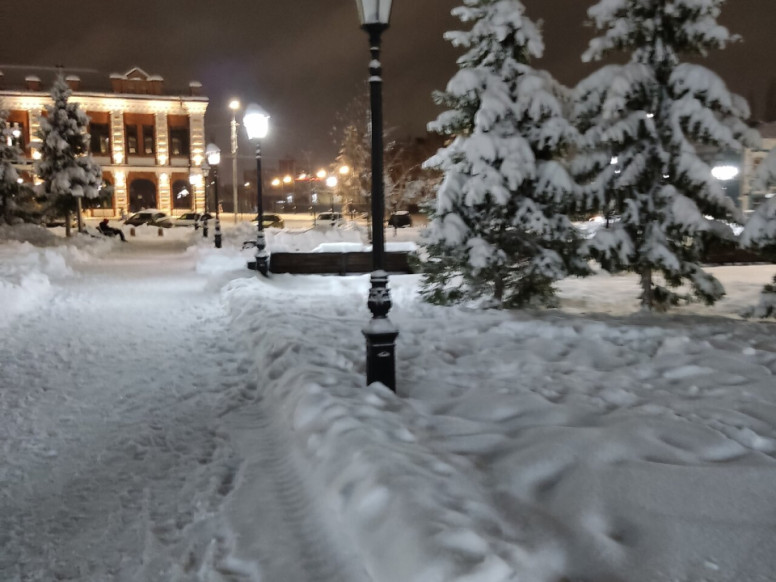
(380,334)
(381,337)
(217,234)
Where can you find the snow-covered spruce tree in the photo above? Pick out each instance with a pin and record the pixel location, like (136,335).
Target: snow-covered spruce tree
(500,230)
(9,154)
(760,234)
(66,168)
(642,125)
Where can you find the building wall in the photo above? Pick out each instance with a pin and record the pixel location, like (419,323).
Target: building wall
(126,114)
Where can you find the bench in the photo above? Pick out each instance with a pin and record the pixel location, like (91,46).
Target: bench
(334,263)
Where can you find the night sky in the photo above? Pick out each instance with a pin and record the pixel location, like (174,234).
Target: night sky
(304,60)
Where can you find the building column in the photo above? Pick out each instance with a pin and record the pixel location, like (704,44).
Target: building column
(33,123)
(162,138)
(120,201)
(197,141)
(117,137)
(164,193)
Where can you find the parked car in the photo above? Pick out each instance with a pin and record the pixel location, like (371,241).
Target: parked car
(329,219)
(189,219)
(152,217)
(400,219)
(270,220)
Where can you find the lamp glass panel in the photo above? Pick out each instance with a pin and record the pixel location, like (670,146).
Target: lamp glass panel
(374,11)
(256,122)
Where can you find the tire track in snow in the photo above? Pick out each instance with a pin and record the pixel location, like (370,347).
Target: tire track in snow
(295,522)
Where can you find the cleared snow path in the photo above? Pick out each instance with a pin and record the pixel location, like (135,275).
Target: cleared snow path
(114,468)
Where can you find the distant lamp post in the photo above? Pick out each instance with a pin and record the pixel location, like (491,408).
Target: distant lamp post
(256,122)
(203,180)
(234,105)
(213,154)
(380,333)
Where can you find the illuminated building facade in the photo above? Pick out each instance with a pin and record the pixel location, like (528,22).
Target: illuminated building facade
(150,146)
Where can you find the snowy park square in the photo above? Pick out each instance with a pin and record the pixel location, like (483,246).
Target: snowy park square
(584,390)
(168,415)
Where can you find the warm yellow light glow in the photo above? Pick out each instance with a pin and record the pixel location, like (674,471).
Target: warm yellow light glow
(36,155)
(287,179)
(332,181)
(121,178)
(234,104)
(321,174)
(164,177)
(275,182)
(344,170)
(302,176)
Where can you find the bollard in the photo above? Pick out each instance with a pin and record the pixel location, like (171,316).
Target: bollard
(160,232)
(132,231)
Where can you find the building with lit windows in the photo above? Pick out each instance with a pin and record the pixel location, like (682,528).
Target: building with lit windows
(150,145)
(752,197)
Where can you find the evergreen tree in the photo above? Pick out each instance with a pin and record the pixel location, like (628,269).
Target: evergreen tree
(642,125)
(66,168)
(500,230)
(9,155)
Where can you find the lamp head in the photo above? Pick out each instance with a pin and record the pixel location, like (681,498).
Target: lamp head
(256,122)
(213,154)
(234,104)
(374,12)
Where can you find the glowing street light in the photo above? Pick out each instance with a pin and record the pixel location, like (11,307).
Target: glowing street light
(213,154)
(724,173)
(380,332)
(256,122)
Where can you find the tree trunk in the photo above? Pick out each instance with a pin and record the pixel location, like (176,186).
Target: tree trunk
(647,292)
(498,288)
(79,217)
(67,223)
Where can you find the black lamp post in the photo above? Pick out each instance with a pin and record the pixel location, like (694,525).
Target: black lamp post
(380,332)
(205,181)
(213,154)
(256,122)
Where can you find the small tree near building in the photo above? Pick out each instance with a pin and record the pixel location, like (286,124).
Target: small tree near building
(66,168)
(9,155)
(500,231)
(642,124)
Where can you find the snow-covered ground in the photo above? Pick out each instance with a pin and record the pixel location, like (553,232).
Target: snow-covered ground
(166,415)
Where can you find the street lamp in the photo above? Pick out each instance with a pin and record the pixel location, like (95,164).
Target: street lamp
(234,105)
(203,179)
(213,154)
(380,333)
(256,122)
